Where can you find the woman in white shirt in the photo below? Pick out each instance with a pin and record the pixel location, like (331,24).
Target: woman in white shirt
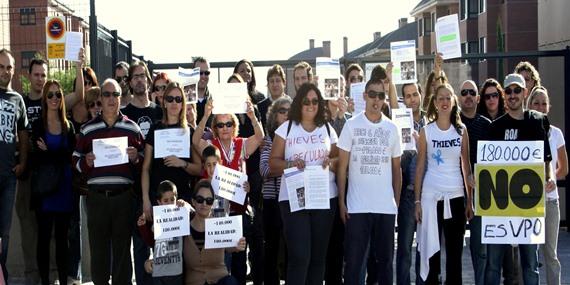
(440,196)
(306,140)
(539,101)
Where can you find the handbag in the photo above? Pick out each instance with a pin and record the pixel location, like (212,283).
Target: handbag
(46,179)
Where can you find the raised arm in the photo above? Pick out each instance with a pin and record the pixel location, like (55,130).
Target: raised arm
(392,95)
(255,140)
(199,143)
(77,96)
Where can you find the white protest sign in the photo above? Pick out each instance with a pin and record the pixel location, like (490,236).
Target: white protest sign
(110,151)
(510,152)
(308,188)
(189,81)
(229,98)
(512,230)
(174,141)
(369,66)
(170,221)
(448,41)
(404,119)
(228,184)
(356,93)
(73,43)
(403,56)
(328,71)
(223,232)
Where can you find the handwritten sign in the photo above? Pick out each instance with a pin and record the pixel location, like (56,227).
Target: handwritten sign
(110,151)
(223,232)
(170,221)
(509,152)
(174,141)
(228,184)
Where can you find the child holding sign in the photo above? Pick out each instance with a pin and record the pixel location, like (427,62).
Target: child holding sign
(166,267)
(205,266)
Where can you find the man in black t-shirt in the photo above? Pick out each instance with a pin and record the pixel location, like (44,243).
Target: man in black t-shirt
(477,127)
(519,124)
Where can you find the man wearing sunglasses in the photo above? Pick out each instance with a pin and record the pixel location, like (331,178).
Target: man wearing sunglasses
(519,124)
(477,127)
(203,92)
(110,200)
(121,75)
(370,148)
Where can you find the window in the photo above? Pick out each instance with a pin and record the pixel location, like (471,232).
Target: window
(482,6)
(473,47)
(473,8)
(427,26)
(463,9)
(27,16)
(482,45)
(421,27)
(433,22)
(27,57)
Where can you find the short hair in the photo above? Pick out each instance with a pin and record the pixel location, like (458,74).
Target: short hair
(234,119)
(144,66)
(36,61)
(472,83)
(276,70)
(418,86)
(200,59)
(235,76)
(295,112)
(350,68)
(271,124)
(113,82)
(374,81)
(307,67)
(528,67)
(209,151)
(378,72)
(166,186)
(203,183)
(8,53)
(92,95)
(121,64)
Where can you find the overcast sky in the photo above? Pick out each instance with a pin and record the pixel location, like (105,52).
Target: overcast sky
(176,30)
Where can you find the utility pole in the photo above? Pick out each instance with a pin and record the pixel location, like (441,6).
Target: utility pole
(93,36)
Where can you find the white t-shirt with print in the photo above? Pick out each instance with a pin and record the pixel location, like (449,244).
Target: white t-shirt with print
(372,147)
(556,141)
(312,147)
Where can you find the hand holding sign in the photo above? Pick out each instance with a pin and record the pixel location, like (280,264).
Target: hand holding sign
(224,232)
(228,184)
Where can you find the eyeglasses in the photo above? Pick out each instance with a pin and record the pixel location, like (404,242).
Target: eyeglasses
(206,73)
(159,88)
(356,79)
(120,79)
(308,102)
(171,99)
(56,94)
(92,104)
(200,200)
(373,94)
(488,96)
(283,111)
(466,92)
(108,94)
(517,90)
(228,124)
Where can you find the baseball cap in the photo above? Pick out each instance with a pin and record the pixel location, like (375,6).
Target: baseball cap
(516,79)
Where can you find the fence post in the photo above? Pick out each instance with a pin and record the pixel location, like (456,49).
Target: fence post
(114,49)
(567,124)
(93,37)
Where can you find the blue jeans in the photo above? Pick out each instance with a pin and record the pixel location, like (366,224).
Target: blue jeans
(7,197)
(529,263)
(362,230)
(406,229)
(478,251)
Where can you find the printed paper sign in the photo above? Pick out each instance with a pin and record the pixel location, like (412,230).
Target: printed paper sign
(171,221)
(328,71)
(510,152)
(110,151)
(369,66)
(308,188)
(189,81)
(73,43)
(229,98)
(404,119)
(228,184)
(223,232)
(172,142)
(403,56)
(448,40)
(356,93)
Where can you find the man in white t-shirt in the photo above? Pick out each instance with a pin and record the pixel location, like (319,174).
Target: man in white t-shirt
(369,146)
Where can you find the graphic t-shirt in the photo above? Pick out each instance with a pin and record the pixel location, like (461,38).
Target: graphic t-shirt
(33,109)
(372,147)
(167,257)
(312,147)
(13,118)
(144,117)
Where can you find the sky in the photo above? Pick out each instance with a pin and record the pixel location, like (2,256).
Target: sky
(175,30)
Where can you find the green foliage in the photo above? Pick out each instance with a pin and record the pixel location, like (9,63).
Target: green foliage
(25,84)
(65,78)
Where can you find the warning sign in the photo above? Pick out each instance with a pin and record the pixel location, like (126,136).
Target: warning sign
(55,37)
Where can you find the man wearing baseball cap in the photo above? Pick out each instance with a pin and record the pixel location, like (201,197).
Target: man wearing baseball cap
(518,124)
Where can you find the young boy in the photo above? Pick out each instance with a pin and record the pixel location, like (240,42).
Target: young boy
(166,267)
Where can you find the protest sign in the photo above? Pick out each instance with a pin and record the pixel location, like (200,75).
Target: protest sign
(175,141)
(328,72)
(110,151)
(73,43)
(189,81)
(448,40)
(229,98)
(223,232)
(307,188)
(404,119)
(369,66)
(228,184)
(403,56)
(357,93)
(170,221)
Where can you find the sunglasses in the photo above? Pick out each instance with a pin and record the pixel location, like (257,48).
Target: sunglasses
(466,92)
(308,102)
(108,94)
(200,200)
(283,111)
(373,94)
(516,90)
(226,124)
(93,104)
(488,96)
(121,78)
(171,99)
(207,73)
(159,87)
(56,94)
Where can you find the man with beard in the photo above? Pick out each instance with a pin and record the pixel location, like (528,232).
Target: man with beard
(122,76)
(145,113)
(14,123)
(477,128)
